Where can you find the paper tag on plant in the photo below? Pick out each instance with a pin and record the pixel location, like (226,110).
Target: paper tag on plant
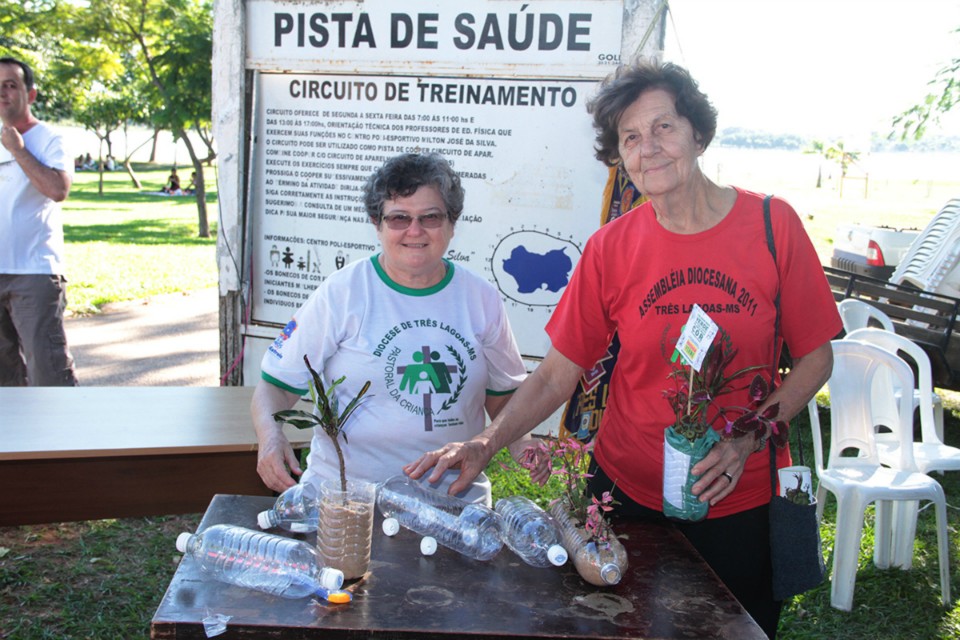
(697,336)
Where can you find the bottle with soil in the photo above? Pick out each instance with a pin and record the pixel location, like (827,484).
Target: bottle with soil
(600,563)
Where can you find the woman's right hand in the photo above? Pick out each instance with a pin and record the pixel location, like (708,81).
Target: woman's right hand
(276,461)
(471,457)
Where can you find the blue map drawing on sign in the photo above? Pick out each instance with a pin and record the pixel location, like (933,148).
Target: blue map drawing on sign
(536,271)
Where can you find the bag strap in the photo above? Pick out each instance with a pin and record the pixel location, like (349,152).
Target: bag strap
(776,335)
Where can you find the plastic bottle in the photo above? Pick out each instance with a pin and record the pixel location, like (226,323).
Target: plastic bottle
(296,510)
(262,561)
(531,532)
(600,564)
(470,529)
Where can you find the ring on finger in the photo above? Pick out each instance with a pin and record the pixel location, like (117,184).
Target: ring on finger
(727,476)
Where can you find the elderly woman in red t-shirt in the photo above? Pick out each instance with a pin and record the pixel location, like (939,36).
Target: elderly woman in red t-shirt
(694,241)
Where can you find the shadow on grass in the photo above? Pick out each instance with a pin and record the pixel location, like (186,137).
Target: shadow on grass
(126,196)
(143,232)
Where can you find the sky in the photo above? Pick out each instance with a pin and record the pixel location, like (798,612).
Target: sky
(822,68)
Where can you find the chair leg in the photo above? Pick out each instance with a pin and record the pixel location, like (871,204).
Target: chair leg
(821,500)
(883,534)
(846,552)
(904,532)
(943,549)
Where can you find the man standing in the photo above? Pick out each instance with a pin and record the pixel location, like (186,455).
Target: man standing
(35,176)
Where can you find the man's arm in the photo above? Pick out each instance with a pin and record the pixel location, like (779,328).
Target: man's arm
(53,183)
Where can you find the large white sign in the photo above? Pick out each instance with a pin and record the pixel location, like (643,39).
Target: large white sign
(523,148)
(570,38)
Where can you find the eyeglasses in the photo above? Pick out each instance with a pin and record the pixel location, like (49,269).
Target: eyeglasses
(401,221)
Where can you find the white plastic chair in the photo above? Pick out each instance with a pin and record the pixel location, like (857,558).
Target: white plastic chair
(930,454)
(857,314)
(856,481)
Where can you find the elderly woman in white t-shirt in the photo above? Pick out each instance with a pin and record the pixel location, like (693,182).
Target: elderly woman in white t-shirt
(432,338)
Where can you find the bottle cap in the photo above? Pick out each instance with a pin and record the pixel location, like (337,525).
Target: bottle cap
(331,579)
(428,546)
(557,555)
(182,541)
(339,597)
(610,573)
(391,527)
(263,519)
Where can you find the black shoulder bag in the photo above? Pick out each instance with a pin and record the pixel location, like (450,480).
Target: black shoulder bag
(795,550)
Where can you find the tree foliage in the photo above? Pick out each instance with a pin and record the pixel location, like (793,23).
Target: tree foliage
(111,62)
(943,97)
(171,41)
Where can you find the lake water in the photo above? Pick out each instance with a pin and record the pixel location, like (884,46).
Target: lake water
(727,164)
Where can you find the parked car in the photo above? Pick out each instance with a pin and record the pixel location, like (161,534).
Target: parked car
(870,251)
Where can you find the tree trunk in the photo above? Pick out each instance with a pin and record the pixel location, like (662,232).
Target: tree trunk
(153,147)
(127,162)
(201,195)
(100,167)
(133,176)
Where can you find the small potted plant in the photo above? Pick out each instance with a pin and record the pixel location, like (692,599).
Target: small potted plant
(597,554)
(695,402)
(346,511)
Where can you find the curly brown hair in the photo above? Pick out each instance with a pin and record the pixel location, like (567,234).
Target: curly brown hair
(623,87)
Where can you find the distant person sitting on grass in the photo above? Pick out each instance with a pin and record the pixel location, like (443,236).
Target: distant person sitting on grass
(173,184)
(192,185)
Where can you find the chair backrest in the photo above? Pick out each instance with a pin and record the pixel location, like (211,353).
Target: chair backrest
(857,314)
(903,346)
(855,365)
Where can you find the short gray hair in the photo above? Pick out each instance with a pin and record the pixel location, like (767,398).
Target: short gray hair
(402,175)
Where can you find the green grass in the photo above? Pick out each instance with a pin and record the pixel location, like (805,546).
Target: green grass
(97,579)
(887,603)
(128,244)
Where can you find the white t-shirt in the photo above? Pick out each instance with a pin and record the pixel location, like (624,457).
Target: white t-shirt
(431,356)
(31,225)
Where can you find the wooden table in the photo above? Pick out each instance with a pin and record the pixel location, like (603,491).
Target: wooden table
(85,453)
(668,592)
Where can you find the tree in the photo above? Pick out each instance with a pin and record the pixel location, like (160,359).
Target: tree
(818,148)
(945,95)
(48,35)
(104,110)
(101,111)
(172,41)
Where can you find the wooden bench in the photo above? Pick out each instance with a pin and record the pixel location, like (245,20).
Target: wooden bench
(929,319)
(87,453)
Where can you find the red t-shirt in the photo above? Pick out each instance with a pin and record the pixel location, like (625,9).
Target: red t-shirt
(641,280)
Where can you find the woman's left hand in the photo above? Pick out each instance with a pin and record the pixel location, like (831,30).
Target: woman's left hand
(721,469)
